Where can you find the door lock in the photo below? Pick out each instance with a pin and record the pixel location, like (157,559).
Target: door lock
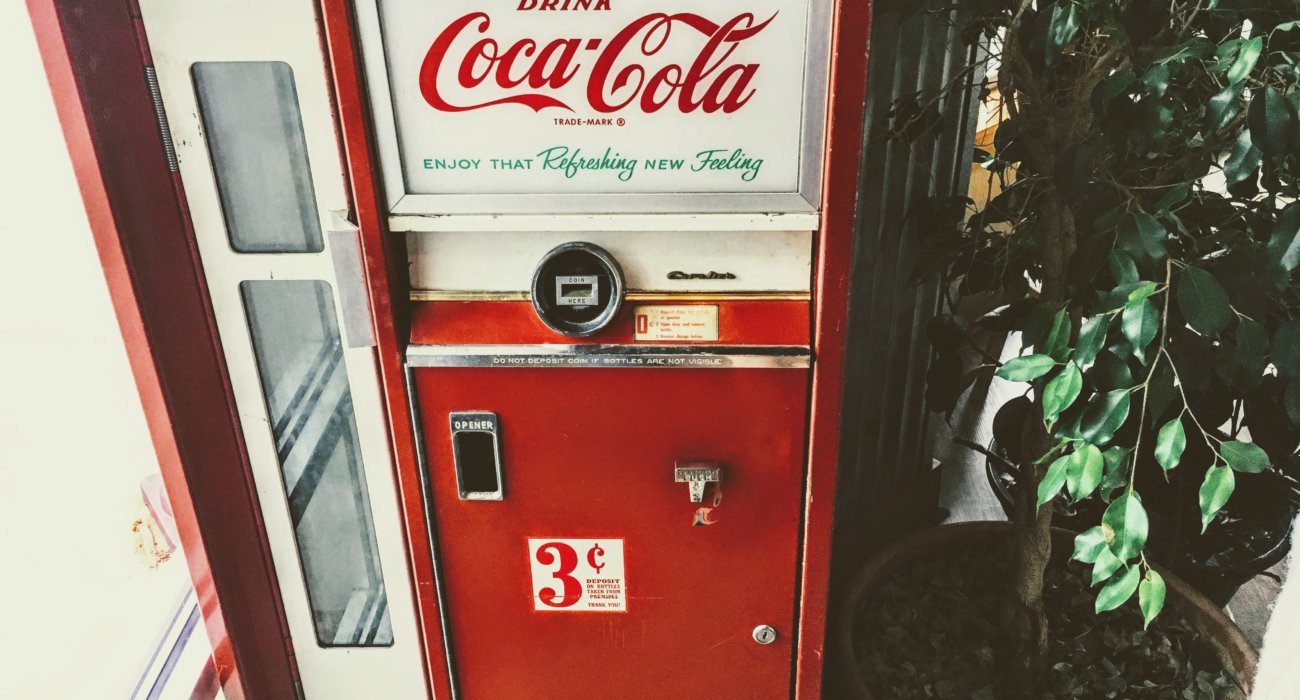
(696,475)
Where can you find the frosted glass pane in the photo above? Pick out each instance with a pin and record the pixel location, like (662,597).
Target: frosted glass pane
(259,156)
(300,361)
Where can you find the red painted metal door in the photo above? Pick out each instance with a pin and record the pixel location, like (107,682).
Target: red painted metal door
(590,453)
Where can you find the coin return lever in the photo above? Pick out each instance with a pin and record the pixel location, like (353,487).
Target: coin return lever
(697,475)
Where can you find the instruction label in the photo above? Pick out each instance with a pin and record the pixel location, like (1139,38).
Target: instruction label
(577,575)
(693,322)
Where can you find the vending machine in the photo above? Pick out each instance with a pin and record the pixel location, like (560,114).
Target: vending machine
(493,348)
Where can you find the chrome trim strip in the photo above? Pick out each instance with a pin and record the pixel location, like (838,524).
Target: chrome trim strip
(426,498)
(632,296)
(612,356)
(350,283)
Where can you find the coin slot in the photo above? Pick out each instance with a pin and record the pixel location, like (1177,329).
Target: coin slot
(577,291)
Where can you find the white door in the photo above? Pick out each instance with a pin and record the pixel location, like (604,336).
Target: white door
(244,86)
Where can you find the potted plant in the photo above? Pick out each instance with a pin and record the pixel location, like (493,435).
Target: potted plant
(1144,246)
(1247,537)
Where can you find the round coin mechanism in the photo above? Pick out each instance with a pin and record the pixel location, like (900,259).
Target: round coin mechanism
(578,289)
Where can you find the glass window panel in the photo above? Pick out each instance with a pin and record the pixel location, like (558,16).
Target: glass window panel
(300,361)
(259,155)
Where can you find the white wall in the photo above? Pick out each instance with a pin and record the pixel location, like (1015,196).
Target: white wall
(81,605)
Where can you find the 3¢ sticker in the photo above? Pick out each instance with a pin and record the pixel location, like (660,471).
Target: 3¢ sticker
(577,575)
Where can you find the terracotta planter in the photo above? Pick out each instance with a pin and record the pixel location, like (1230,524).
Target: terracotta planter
(1227,642)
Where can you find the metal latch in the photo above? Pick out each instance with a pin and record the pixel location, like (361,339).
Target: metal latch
(350,281)
(696,475)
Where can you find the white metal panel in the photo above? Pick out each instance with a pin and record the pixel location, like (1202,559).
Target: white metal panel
(607,222)
(760,261)
(182,32)
(782,121)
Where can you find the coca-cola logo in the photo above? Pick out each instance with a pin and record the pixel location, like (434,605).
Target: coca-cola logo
(632,69)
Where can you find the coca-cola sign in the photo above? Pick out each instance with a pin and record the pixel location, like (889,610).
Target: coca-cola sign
(569,97)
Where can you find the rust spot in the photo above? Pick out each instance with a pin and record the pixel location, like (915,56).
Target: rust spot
(150,544)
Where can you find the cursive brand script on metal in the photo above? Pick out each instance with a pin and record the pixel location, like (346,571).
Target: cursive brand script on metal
(679,275)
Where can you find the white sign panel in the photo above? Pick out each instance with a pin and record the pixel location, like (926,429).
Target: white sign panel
(582,97)
(577,575)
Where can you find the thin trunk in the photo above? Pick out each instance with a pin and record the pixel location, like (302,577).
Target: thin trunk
(1032,529)
(1025,615)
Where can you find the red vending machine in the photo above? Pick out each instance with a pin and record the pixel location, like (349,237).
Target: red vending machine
(493,349)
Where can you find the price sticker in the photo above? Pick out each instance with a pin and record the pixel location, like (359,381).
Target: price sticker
(577,575)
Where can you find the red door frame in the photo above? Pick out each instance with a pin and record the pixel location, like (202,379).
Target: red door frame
(95,58)
(842,171)
(95,55)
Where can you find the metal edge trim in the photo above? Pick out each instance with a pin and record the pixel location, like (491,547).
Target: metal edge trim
(430,529)
(611,356)
(455,295)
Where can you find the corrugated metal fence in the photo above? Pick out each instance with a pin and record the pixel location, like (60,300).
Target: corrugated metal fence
(887,483)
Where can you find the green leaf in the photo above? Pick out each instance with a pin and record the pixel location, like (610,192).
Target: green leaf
(1143,237)
(1203,301)
(1105,566)
(1111,371)
(1170,443)
(1053,480)
(1291,401)
(1271,121)
(1196,47)
(1061,392)
(1286,349)
(1118,590)
(1115,299)
(1128,519)
(1142,292)
(1061,29)
(1104,415)
(1122,267)
(1245,457)
(1215,492)
(1224,107)
(1247,57)
(1092,338)
(1156,79)
(1161,390)
(1252,346)
(1115,474)
(1284,244)
(1057,343)
(1140,322)
(1176,195)
(1151,596)
(1089,544)
(1084,472)
(1027,368)
(1110,88)
(1244,161)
